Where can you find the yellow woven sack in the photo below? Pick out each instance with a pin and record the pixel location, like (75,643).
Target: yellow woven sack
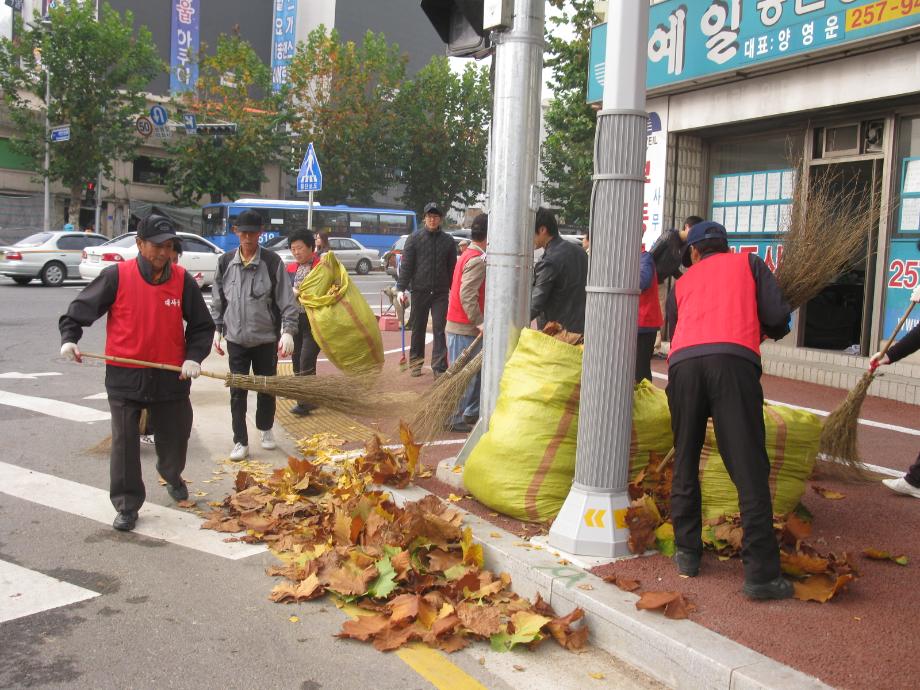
(651,427)
(524,464)
(343,324)
(792,446)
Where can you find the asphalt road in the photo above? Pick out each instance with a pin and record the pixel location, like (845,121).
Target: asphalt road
(170,606)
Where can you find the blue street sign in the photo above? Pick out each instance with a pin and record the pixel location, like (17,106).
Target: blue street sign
(60,133)
(309,177)
(159,115)
(191,124)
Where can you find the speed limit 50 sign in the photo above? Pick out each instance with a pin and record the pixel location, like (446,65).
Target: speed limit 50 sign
(144,126)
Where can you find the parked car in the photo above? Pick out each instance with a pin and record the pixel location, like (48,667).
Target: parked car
(199,256)
(354,255)
(51,257)
(389,262)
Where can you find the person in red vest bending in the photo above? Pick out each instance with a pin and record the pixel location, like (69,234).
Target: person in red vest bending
(156,314)
(719,312)
(464,317)
(650,318)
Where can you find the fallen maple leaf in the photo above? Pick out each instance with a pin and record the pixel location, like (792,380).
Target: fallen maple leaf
(877,555)
(364,627)
(827,493)
(820,588)
(673,603)
(642,518)
(305,590)
(481,620)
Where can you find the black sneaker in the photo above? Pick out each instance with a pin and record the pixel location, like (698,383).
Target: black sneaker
(470,420)
(177,493)
(302,409)
(459,428)
(125,521)
(779,588)
(688,563)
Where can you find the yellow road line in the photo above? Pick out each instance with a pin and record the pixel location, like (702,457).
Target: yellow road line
(430,664)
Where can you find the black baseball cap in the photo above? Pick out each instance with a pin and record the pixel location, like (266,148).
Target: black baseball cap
(706,230)
(157,229)
(249,221)
(432,207)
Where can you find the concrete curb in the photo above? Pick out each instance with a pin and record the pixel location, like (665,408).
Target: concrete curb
(680,654)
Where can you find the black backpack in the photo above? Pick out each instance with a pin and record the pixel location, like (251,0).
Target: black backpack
(272,262)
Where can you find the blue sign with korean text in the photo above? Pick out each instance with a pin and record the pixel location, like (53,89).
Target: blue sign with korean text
(902,276)
(284,40)
(690,40)
(309,177)
(60,133)
(183,61)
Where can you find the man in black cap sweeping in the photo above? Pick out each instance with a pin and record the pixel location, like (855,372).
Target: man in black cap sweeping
(147,299)
(720,311)
(426,270)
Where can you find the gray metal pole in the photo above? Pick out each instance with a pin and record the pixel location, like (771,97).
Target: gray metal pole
(592,520)
(97,216)
(46,223)
(512,195)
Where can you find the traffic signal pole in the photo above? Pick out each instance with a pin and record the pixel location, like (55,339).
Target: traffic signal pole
(513,196)
(592,520)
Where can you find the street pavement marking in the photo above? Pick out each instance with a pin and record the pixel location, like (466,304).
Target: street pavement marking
(20,375)
(54,408)
(825,413)
(155,521)
(24,592)
(430,664)
(97,396)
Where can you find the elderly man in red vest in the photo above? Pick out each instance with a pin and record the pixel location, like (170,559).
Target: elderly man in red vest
(464,316)
(719,312)
(156,314)
(650,318)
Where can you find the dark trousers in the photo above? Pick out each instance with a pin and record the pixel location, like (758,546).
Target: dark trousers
(422,304)
(306,351)
(726,388)
(263,361)
(913,473)
(173,420)
(645,345)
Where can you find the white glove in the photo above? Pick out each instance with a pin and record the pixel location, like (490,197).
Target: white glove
(403,297)
(218,339)
(915,294)
(71,352)
(190,370)
(286,345)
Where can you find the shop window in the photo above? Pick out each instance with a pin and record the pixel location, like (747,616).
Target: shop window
(149,170)
(769,152)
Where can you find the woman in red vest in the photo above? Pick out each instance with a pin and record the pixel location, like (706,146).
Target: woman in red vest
(650,318)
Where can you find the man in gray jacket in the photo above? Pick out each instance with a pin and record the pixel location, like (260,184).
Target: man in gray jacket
(251,303)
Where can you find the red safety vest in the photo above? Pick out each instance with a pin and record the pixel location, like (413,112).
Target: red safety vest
(145,321)
(649,306)
(717,303)
(455,311)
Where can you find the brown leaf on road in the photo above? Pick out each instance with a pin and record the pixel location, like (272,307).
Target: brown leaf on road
(827,493)
(349,580)
(642,518)
(561,630)
(364,627)
(673,603)
(452,644)
(243,481)
(797,528)
(257,523)
(188,503)
(800,564)
(439,559)
(404,607)
(231,525)
(820,588)
(544,609)
(393,638)
(441,626)
(309,588)
(879,555)
(480,620)
(623,583)
(401,564)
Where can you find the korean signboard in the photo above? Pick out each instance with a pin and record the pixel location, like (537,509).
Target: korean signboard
(656,157)
(694,40)
(904,253)
(284,35)
(183,62)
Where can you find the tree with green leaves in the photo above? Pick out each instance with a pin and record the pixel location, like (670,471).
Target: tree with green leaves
(444,120)
(567,160)
(98,70)
(234,86)
(342,99)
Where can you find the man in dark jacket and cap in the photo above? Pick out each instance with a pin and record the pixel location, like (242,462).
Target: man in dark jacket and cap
(559,277)
(426,271)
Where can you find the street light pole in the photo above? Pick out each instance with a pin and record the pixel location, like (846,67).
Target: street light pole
(46,224)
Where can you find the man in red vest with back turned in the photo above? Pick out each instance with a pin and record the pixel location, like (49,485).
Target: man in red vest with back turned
(650,318)
(465,316)
(719,312)
(156,314)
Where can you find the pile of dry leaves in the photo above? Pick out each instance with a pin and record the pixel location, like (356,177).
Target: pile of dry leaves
(415,567)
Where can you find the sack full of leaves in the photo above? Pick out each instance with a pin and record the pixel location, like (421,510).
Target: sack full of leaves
(525,463)
(792,446)
(342,322)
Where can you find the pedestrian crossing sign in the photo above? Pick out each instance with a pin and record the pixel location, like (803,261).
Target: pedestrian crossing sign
(309,177)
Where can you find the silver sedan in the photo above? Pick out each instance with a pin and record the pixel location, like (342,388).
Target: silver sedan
(52,257)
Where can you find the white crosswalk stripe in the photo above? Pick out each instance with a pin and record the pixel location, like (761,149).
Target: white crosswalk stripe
(53,408)
(24,592)
(174,526)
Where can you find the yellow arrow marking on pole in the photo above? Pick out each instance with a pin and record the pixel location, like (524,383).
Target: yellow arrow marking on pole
(594,518)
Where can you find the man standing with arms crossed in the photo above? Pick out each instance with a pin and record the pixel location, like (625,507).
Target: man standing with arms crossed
(426,269)
(146,299)
(251,302)
(464,317)
(720,311)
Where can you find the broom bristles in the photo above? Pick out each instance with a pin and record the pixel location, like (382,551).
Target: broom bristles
(839,436)
(354,393)
(440,403)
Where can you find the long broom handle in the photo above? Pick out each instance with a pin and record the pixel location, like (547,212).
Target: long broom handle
(890,341)
(151,365)
(464,357)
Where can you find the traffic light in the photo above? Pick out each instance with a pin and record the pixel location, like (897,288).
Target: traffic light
(90,193)
(459,24)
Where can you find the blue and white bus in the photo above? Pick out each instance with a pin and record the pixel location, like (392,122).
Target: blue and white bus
(375,228)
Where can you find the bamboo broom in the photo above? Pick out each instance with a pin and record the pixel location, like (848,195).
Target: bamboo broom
(839,435)
(353,393)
